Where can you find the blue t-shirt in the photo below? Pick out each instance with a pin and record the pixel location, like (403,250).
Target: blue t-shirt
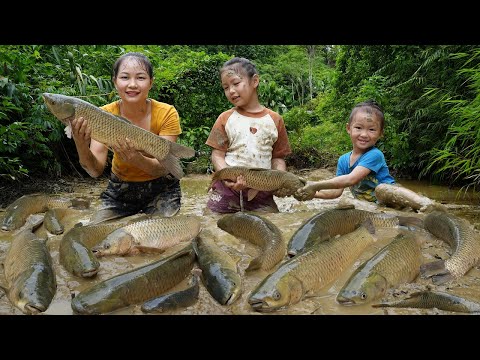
(374,160)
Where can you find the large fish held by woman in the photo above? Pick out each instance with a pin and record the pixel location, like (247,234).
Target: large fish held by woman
(107,128)
(259,179)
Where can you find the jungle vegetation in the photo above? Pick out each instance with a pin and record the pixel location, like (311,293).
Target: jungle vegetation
(430,95)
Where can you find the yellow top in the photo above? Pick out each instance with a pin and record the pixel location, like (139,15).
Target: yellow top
(164,121)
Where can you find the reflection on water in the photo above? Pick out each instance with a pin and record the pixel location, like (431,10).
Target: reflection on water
(292,214)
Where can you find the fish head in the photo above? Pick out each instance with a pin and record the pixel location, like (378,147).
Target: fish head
(12,222)
(119,242)
(226,222)
(61,106)
(234,287)
(272,295)
(94,301)
(78,259)
(30,291)
(357,292)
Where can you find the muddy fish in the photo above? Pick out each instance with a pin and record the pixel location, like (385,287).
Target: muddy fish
(258,179)
(435,299)
(395,264)
(135,286)
(333,222)
(152,234)
(399,197)
(177,299)
(219,271)
(53,219)
(310,270)
(108,128)
(17,212)
(29,273)
(259,231)
(465,244)
(75,252)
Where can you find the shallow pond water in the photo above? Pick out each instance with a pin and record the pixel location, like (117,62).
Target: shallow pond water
(292,214)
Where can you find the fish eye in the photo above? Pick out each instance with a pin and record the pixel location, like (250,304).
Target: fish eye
(276,295)
(106,246)
(363,296)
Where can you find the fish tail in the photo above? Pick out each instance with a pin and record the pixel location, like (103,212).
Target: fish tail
(442,278)
(255,264)
(430,269)
(410,221)
(173,165)
(181,151)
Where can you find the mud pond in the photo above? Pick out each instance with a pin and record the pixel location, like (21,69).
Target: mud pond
(292,213)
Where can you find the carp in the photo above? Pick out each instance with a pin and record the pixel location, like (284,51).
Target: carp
(462,238)
(259,231)
(75,252)
(259,179)
(333,222)
(177,299)
(135,286)
(310,270)
(17,212)
(395,264)
(435,299)
(107,128)
(150,234)
(219,271)
(29,272)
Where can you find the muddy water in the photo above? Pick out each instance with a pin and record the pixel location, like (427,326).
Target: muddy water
(292,214)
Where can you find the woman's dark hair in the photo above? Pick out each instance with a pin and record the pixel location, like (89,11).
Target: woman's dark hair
(239,65)
(142,59)
(370,107)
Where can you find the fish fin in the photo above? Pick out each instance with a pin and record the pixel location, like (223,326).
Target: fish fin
(181,151)
(442,278)
(433,268)
(80,203)
(68,130)
(148,249)
(255,264)
(410,221)
(368,224)
(251,193)
(173,165)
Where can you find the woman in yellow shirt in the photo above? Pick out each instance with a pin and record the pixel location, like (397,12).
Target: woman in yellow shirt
(138,183)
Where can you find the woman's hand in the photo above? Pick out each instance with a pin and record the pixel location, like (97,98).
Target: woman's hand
(81,132)
(126,150)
